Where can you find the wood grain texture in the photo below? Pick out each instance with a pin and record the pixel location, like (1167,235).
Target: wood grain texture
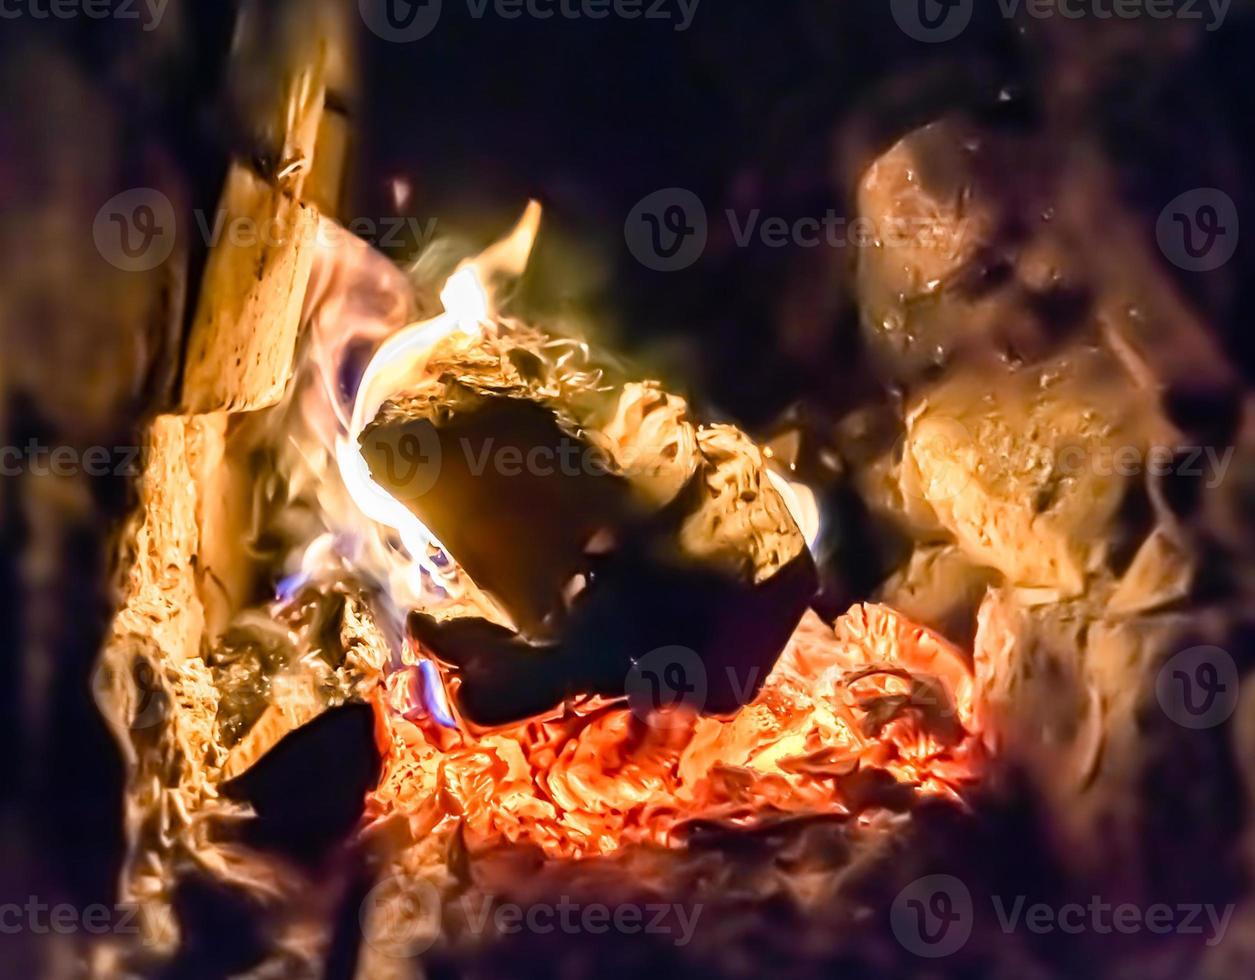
(243,337)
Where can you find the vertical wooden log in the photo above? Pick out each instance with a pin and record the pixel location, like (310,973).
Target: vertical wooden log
(187,571)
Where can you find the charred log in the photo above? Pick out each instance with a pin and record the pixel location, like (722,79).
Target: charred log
(604,523)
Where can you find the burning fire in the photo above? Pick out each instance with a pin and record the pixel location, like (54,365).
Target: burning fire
(467,311)
(849,719)
(859,715)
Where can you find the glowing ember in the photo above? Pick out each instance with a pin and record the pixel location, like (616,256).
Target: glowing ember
(865,714)
(874,697)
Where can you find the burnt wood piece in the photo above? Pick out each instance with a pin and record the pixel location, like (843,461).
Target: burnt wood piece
(635,606)
(601,520)
(305,808)
(517,528)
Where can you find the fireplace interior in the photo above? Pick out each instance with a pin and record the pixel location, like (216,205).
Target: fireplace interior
(765,492)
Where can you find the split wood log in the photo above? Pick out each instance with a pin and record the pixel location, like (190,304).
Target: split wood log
(243,338)
(186,572)
(152,687)
(244,335)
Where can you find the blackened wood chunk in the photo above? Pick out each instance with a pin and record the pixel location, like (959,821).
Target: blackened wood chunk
(511,495)
(310,789)
(603,522)
(500,677)
(632,609)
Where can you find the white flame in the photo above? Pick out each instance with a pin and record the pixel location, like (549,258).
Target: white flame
(800,501)
(466,300)
(399,361)
(351,286)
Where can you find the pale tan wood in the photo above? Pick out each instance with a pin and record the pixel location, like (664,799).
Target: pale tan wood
(151,685)
(240,352)
(326,176)
(243,339)
(185,568)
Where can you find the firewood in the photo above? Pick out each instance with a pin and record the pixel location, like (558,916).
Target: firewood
(185,571)
(613,528)
(243,336)
(983,242)
(933,204)
(151,685)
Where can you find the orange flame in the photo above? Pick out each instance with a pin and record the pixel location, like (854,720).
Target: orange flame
(857,716)
(867,713)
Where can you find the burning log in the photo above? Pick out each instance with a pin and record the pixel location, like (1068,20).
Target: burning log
(170,704)
(153,689)
(604,523)
(664,534)
(279,669)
